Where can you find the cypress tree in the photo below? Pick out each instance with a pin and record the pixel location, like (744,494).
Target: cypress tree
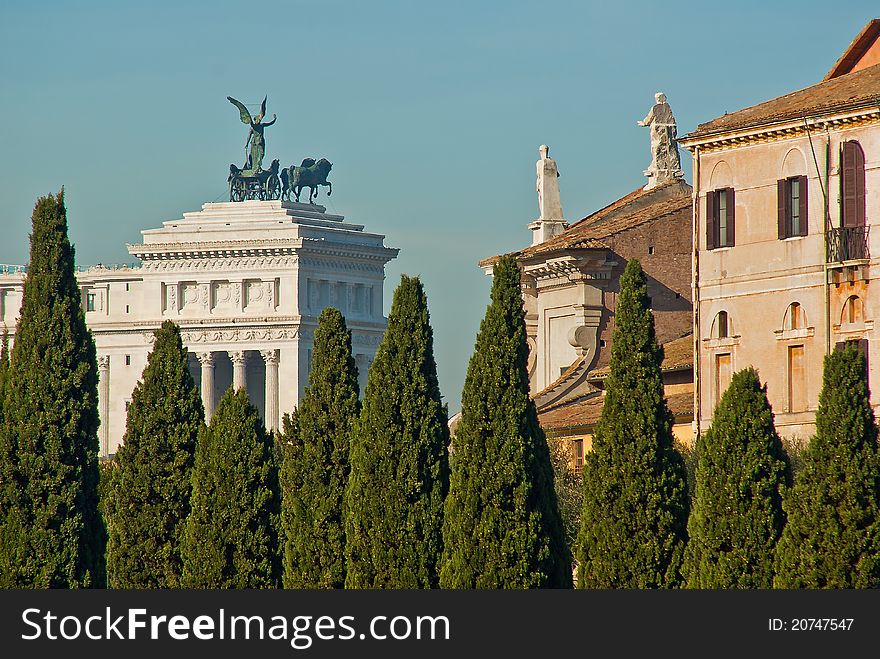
(150,489)
(4,371)
(315,447)
(736,515)
(832,537)
(53,535)
(399,462)
(230,539)
(502,527)
(634,519)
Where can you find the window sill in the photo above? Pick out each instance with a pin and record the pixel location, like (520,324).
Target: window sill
(790,238)
(715,250)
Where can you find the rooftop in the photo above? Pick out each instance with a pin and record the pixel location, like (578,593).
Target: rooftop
(852,91)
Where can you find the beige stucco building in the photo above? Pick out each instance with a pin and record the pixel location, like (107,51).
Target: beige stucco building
(245,282)
(785,196)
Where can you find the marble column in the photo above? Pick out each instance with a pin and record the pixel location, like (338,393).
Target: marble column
(271,359)
(239,369)
(104,404)
(206,359)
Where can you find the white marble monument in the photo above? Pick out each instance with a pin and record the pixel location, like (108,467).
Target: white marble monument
(246,282)
(551,221)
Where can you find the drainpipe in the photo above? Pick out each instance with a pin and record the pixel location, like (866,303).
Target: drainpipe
(695,294)
(826,221)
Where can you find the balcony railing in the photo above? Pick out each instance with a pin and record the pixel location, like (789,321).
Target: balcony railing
(847,244)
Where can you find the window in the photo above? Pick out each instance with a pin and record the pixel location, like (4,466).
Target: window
(127,308)
(128,360)
(650,250)
(852,185)
(853,311)
(127,286)
(578,455)
(722,327)
(720,216)
(722,375)
(795,317)
(90,301)
(792,207)
(797,398)
(602,343)
(859,344)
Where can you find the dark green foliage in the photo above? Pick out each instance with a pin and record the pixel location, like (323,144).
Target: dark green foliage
(230,539)
(503,528)
(315,447)
(149,498)
(736,515)
(633,524)
(53,535)
(399,462)
(832,538)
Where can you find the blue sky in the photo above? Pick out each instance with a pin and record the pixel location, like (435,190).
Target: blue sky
(432,113)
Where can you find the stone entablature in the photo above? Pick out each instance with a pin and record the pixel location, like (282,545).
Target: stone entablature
(246,282)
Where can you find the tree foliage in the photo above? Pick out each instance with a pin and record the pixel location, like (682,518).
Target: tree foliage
(736,515)
(230,538)
(53,535)
(502,528)
(633,524)
(315,448)
(832,538)
(399,462)
(149,495)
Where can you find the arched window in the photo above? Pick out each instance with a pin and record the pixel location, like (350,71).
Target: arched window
(853,311)
(795,317)
(721,329)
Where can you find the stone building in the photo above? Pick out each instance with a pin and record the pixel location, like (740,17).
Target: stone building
(570,278)
(246,282)
(786,194)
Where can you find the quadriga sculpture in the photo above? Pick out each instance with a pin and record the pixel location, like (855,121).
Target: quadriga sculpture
(310,174)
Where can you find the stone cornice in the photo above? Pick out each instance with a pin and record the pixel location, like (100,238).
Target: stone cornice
(783,130)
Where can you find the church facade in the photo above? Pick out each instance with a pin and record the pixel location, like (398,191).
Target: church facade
(245,282)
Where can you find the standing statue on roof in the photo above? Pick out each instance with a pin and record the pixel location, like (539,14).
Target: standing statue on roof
(549,203)
(255,140)
(665,160)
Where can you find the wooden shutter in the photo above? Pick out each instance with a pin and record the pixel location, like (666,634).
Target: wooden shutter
(782,215)
(863,348)
(731,219)
(710,220)
(853,185)
(803,209)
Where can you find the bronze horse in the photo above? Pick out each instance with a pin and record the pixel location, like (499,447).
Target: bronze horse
(310,174)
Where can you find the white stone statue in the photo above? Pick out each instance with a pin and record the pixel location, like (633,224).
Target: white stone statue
(665,160)
(549,203)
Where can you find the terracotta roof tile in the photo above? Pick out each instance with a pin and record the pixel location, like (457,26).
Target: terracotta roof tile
(677,354)
(586,411)
(853,90)
(855,50)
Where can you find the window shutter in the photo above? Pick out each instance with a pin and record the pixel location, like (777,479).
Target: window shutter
(731,218)
(803,208)
(853,185)
(781,210)
(710,220)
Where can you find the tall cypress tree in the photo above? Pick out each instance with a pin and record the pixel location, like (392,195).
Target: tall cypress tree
(633,524)
(53,535)
(832,537)
(399,462)
(502,527)
(150,489)
(736,515)
(4,371)
(230,539)
(315,447)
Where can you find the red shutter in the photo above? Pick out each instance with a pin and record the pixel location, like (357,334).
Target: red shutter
(853,185)
(803,208)
(731,218)
(781,209)
(710,220)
